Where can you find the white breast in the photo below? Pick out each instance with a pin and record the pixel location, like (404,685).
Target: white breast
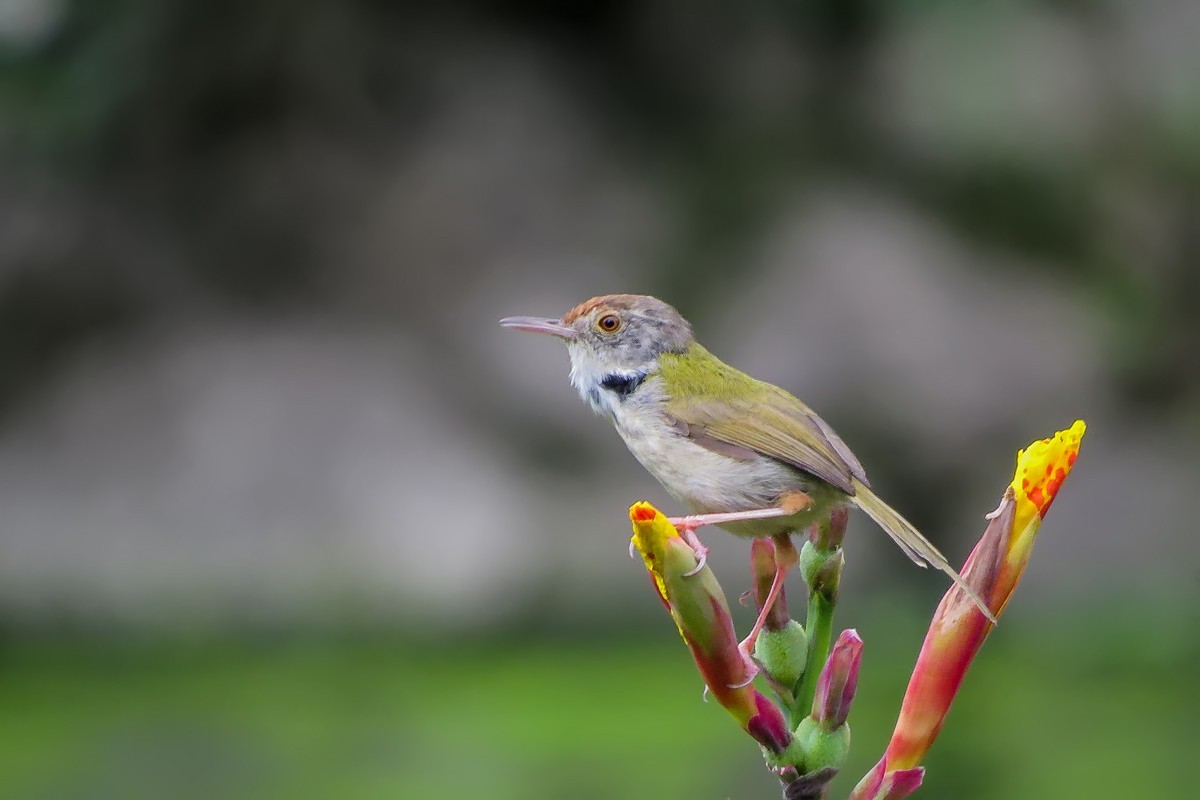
(706,481)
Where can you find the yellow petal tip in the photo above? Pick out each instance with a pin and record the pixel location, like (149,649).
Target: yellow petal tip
(651,528)
(642,511)
(1044,465)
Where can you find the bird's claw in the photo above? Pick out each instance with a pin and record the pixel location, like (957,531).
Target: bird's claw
(698,548)
(746,682)
(752,669)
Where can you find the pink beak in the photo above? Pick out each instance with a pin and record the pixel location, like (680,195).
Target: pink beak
(553,327)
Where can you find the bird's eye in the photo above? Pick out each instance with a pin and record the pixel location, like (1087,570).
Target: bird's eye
(609,323)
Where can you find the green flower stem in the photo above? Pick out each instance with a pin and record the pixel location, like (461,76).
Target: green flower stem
(821,561)
(820,640)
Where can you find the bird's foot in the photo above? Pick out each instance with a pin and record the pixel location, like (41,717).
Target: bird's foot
(698,548)
(785,558)
(752,668)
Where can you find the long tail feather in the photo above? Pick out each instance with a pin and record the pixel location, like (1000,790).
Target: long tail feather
(910,540)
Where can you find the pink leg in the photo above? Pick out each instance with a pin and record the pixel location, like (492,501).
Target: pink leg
(700,520)
(791,503)
(785,558)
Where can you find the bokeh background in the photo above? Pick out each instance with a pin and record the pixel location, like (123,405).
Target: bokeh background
(283,513)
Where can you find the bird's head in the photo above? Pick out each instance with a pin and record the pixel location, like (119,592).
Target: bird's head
(614,340)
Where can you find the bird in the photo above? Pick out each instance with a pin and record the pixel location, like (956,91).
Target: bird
(740,453)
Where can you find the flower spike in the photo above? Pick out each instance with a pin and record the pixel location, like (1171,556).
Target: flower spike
(698,606)
(958,628)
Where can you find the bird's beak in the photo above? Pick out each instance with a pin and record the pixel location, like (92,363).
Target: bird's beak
(553,327)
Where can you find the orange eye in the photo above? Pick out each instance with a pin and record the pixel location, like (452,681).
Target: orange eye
(609,323)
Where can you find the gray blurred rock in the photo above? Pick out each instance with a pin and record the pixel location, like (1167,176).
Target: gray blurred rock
(866,304)
(1156,63)
(996,79)
(264,468)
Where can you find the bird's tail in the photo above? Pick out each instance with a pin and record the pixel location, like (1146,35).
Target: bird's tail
(910,540)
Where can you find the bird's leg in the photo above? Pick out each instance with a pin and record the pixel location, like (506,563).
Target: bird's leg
(790,503)
(786,557)
(694,521)
(687,528)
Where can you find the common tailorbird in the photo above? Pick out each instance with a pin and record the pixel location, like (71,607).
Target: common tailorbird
(744,455)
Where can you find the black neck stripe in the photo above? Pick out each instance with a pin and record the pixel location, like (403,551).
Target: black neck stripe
(623,385)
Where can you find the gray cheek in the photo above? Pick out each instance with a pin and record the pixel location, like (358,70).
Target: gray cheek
(640,344)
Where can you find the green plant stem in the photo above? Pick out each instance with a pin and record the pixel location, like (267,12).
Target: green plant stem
(820,640)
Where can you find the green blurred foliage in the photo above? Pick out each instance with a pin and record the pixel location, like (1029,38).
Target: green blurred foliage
(1097,708)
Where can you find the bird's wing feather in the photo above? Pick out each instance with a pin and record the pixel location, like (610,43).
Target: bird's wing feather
(773,424)
(761,419)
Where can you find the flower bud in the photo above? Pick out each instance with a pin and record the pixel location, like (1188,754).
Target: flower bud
(958,629)
(880,784)
(822,748)
(838,682)
(811,560)
(822,569)
(829,532)
(783,653)
(698,606)
(762,566)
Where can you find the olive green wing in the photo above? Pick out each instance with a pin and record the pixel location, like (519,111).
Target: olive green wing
(770,422)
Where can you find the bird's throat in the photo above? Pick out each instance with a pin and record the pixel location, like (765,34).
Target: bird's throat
(622,384)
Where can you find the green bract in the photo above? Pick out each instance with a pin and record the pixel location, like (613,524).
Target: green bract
(783,653)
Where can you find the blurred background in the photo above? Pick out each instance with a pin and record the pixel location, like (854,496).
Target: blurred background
(283,512)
